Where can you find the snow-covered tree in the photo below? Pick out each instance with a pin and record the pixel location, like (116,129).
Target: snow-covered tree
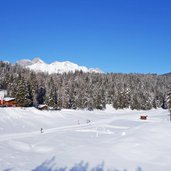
(85,90)
(169,102)
(22,95)
(41,92)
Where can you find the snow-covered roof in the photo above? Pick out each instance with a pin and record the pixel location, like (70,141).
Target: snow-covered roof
(7,99)
(42,105)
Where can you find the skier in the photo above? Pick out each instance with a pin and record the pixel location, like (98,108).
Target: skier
(41,130)
(88,121)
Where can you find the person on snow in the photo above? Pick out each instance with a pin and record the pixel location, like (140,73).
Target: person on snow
(41,130)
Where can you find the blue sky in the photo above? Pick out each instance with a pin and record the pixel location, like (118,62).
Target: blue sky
(115,35)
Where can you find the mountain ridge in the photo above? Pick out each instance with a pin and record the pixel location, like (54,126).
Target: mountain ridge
(39,65)
(167,74)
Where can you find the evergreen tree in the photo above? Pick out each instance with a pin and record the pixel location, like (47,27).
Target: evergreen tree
(33,87)
(41,92)
(22,93)
(169,102)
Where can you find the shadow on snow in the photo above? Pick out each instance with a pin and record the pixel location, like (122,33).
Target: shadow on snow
(50,165)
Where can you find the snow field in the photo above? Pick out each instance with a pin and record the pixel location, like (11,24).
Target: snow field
(117,138)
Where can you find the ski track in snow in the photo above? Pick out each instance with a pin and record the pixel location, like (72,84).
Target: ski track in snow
(117,137)
(88,127)
(37,133)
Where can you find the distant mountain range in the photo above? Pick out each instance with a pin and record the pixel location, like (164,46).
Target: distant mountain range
(56,67)
(167,74)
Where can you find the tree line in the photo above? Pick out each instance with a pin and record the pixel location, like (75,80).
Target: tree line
(81,90)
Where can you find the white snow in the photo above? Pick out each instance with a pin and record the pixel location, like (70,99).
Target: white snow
(8,99)
(3,93)
(56,67)
(116,138)
(42,105)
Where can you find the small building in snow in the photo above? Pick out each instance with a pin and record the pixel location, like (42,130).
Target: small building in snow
(43,107)
(143,117)
(8,102)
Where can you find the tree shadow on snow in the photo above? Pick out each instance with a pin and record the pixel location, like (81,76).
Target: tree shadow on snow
(50,165)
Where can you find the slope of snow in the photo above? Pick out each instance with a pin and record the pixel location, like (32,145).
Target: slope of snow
(56,67)
(117,139)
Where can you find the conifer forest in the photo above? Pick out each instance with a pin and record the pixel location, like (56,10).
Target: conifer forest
(81,90)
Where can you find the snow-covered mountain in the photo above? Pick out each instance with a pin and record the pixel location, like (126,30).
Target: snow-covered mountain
(56,67)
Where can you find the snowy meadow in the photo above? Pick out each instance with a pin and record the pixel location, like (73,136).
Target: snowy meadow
(84,140)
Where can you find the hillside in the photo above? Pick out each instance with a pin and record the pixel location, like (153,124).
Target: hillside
(80,90)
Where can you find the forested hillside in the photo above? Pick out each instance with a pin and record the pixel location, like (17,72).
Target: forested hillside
(84,90)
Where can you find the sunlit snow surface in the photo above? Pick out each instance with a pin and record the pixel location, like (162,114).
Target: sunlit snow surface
(116,139)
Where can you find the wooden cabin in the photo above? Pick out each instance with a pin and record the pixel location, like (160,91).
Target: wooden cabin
(8,102)
(143,117)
